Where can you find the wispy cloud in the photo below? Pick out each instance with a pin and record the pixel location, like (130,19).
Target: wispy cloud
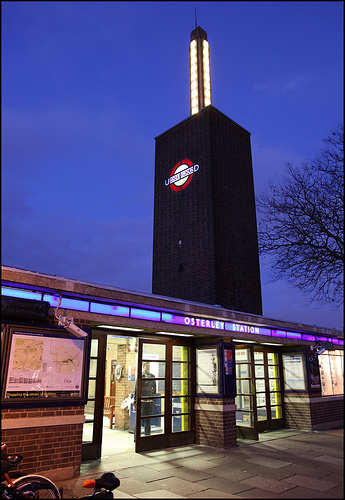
(278,86)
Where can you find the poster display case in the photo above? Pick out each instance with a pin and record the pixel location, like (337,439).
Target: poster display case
(43,366)
(215,370)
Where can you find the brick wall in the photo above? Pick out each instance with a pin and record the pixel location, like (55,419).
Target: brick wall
(314,413)
(55,448)
(297,412)
(124,387)
(327,412)
(215,422)
(205,237)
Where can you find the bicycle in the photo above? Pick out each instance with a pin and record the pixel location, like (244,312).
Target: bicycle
(35,486)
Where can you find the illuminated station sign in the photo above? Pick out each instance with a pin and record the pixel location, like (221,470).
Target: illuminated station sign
(181,175)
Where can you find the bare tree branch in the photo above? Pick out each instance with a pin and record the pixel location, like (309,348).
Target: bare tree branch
(301,224)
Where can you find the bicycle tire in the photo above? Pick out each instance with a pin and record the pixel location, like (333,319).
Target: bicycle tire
(48,489)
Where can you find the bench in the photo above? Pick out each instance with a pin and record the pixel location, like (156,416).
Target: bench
(109,409)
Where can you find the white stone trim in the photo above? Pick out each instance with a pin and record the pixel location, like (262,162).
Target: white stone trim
(23,423)
(307,400)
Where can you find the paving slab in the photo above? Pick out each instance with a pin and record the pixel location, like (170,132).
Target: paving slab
(261,470)
(118,494)
(211,493)
(189,474)
(195,463)
(223,484)
(334,477)
(309,482)
(331,460)
(144,474)
(267,484)
(159,494)
(235,474)
(163,466)
(305,470)
(300,492)
(257,493)
(132,486)
(269,462)
(179,486)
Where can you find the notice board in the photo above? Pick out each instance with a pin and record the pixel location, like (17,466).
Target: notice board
(43,366)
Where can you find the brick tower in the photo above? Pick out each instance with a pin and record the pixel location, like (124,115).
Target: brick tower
(205,246)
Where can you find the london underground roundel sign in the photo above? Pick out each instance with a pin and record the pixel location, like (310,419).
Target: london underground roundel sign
(181,175)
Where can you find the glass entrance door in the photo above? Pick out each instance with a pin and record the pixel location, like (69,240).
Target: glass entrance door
(259,400)
(92,429)
(163,395)
(268,389)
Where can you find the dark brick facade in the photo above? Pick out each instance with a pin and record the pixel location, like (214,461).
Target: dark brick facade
(205,236)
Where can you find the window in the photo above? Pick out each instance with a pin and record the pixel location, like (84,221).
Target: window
(332,372)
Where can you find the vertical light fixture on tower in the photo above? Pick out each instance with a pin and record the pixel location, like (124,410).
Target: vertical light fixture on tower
(199,70)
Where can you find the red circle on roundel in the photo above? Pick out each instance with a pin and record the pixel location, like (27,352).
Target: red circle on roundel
(185,184)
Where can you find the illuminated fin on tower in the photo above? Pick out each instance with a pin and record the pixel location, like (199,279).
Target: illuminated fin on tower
(199,71)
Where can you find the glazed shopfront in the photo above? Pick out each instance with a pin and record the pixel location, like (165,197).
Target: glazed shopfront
(212,374)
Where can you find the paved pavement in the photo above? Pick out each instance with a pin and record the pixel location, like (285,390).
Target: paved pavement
(282,464)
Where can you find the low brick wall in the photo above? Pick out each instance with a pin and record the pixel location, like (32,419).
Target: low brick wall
(327,412)
(50,439)
(314,413)
(215,421)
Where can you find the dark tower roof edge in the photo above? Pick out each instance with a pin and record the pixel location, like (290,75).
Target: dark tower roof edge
(198,31)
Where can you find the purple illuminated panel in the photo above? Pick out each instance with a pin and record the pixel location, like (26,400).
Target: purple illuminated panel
(324,339)
(236,327)
(145,314)
(191,321)
(96,307)
(20,294)
(278,333)
(172,318)
(293,335)
(77,305)
(308,337)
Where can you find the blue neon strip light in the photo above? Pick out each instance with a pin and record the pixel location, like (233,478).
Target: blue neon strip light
(145,314)
(20,294)
(293,335)
(96,307)
(150,315)
(75,304)
(308,337)
(278,333)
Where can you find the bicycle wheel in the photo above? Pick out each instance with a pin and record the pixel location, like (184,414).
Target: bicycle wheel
(39,485)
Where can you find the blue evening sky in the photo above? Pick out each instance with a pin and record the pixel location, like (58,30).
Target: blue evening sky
(87,86)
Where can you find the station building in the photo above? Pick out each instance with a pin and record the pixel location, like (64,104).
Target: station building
(74,353)
(219,373)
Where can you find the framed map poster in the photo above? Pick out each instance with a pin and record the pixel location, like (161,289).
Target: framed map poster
(43,366)
(294,372)
(207,370)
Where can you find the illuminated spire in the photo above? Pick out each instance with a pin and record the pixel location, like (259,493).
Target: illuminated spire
(199,71)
